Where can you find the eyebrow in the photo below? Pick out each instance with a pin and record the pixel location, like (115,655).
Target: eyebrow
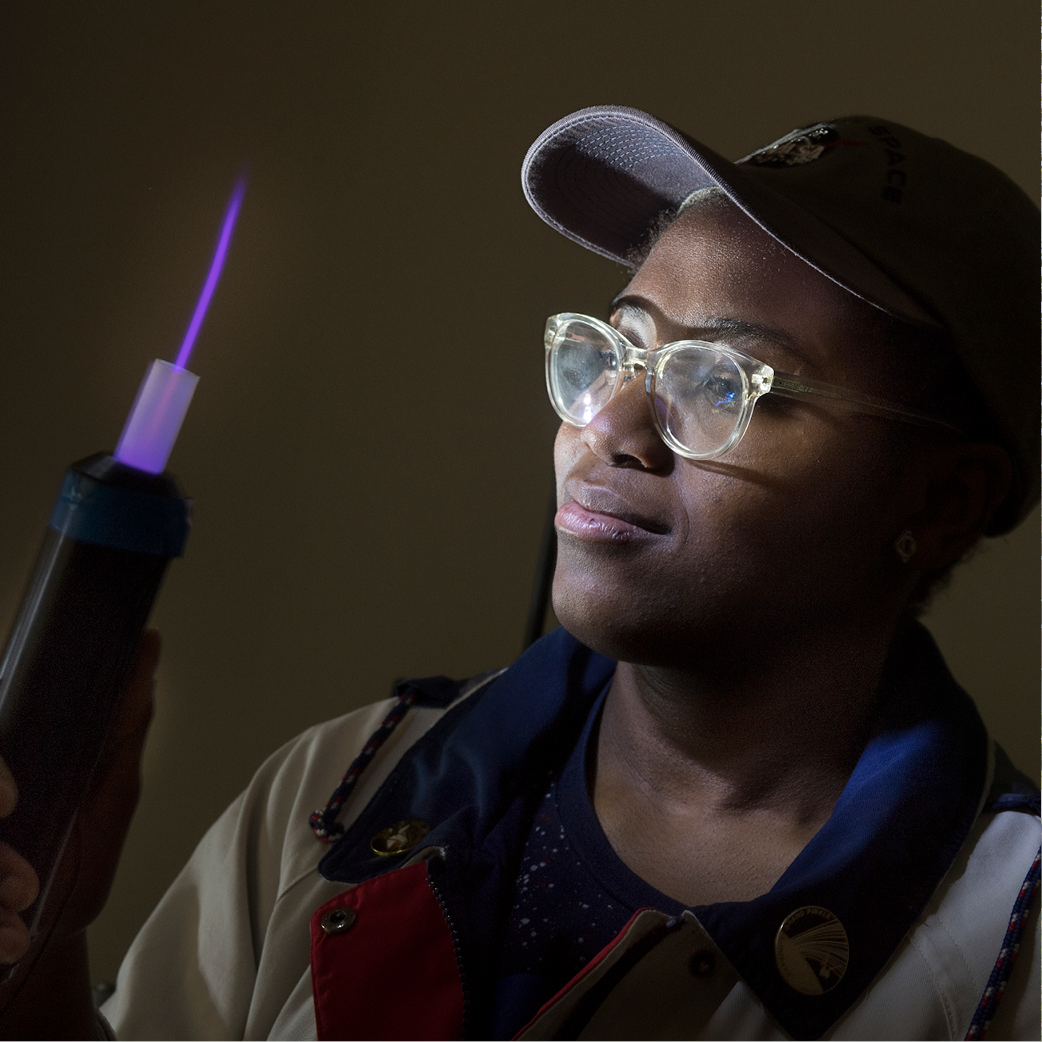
(714,324)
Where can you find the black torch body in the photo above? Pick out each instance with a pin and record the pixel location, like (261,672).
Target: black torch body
(112,534)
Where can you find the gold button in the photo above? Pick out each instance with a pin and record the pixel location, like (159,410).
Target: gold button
(812,950)
(339,920)
(399,837)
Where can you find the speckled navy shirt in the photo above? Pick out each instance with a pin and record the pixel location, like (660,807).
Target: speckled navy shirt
(572,897)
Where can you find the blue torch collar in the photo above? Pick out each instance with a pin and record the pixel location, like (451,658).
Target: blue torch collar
(103,513)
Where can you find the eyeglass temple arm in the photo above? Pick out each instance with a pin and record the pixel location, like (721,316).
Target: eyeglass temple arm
(800,386)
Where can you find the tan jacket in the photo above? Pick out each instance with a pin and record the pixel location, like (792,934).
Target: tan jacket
(226,952)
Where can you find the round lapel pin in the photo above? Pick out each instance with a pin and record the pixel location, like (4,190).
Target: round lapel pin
(812,950)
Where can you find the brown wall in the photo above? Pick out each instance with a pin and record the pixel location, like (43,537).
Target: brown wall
(369,445)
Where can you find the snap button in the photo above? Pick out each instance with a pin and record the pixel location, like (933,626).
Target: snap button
(338,920)
(399,837)
(812,950)
(702,963)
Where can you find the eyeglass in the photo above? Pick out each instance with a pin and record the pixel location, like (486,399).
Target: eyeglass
(701,395)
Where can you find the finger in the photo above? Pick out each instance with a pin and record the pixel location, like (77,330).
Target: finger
(19,884)
(142,677)
(136,703)
(14,937)
(19,887)
(148,653)
(8,790)
(114,789)
(108,805)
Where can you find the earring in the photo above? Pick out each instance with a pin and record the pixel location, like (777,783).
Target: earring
(905,546)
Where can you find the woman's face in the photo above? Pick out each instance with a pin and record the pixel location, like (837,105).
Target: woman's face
(663,560)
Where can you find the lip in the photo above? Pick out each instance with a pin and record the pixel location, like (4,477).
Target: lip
(599,515)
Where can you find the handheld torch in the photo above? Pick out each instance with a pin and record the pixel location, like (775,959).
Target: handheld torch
(118,522)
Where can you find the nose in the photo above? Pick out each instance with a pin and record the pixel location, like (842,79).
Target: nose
(623,433)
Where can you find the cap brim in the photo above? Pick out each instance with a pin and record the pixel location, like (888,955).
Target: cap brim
(603,176)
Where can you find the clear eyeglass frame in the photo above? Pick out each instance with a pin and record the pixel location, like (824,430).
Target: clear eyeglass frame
(700,394)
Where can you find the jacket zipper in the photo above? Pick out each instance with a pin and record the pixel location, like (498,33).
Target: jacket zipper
(454,932)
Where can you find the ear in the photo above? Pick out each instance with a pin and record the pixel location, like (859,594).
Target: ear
(967,483)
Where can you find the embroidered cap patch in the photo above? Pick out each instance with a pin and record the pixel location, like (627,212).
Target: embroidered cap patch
(795,149)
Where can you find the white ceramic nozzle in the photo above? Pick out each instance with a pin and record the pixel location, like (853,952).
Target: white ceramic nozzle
(155,420)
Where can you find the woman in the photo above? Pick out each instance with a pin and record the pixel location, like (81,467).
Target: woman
(738,796)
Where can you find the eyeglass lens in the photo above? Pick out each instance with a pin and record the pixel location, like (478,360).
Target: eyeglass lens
(699,394)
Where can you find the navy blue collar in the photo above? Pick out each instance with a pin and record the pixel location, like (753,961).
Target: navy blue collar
(894,833)
(462,775)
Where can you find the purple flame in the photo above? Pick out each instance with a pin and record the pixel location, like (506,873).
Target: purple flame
(215,273)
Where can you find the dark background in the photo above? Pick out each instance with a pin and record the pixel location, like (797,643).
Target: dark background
(369,447)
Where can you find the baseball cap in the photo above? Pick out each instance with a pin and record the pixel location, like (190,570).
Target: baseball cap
(922,230)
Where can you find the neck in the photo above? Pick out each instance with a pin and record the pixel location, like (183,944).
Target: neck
(709,782)
(756,731)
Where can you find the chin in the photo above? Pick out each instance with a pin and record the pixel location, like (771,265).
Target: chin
(623,630)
